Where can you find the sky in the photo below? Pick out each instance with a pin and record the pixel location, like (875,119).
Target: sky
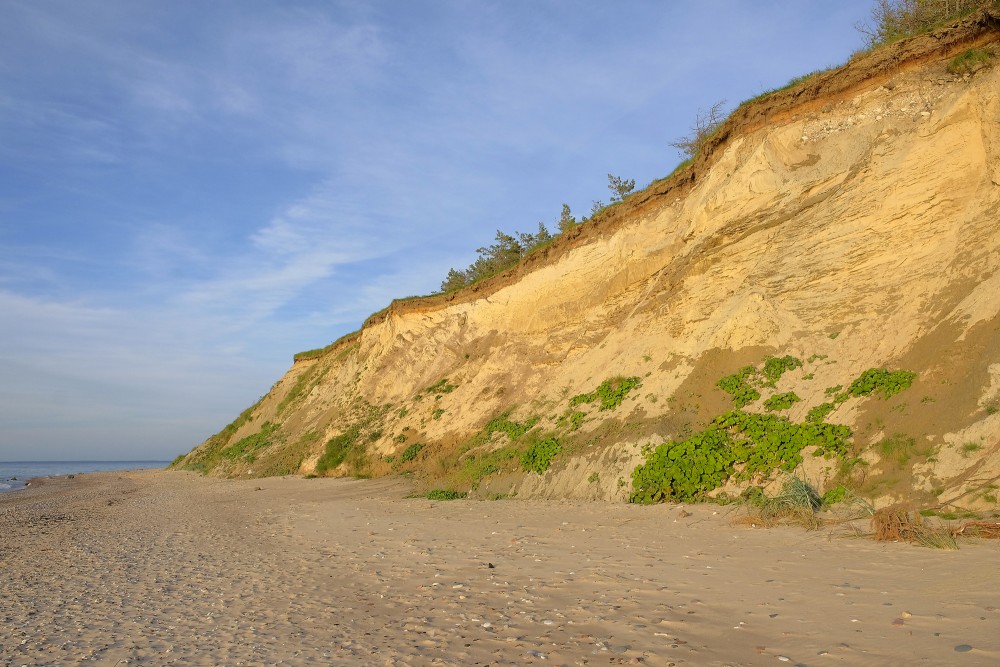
(192,192)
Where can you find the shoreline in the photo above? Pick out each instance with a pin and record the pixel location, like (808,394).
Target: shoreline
(168,568)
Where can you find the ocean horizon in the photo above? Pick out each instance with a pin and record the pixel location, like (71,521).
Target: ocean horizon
(14,474)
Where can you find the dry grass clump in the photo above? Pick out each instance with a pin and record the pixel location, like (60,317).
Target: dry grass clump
(987,530)
(901,523)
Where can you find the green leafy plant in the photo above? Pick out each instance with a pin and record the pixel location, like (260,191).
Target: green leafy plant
(593,478)
(442,386)
(539,455)
(835,495)
(437,413)
(889,383)
(611,392)
(738,386)
(781,401)
(819,413)
(775,367)
(410,453)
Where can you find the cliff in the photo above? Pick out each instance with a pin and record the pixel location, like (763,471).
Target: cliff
(833,252)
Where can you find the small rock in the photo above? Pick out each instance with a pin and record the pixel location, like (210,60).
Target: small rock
(906,614)
(963,648)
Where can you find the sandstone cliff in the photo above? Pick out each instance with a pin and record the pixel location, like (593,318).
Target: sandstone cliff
(847,224)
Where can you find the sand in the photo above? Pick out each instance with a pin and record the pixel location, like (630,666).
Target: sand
(168,568)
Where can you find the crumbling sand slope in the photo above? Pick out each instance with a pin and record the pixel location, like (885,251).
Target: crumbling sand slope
(855,229)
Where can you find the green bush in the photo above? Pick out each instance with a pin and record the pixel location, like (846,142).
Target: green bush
(539,456)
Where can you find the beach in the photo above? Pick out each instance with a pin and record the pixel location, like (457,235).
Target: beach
(169,568)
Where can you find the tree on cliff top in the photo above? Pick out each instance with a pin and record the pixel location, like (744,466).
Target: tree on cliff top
(895,19)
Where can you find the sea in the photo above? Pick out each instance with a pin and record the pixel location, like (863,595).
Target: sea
(13,475)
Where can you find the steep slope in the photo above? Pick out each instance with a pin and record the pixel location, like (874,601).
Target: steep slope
(846,225)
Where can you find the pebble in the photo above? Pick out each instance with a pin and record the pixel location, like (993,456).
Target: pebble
(963,648)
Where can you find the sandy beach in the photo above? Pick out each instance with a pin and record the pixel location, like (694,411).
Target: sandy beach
(168,568)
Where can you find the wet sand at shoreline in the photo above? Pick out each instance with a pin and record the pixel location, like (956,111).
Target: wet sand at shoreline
(168,568)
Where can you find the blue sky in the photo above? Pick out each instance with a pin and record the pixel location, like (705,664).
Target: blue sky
(191,192)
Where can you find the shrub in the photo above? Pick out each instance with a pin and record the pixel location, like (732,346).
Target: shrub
(705,125)
(566,220)
(896,19)
(620,188)
(508,250)
(539,456)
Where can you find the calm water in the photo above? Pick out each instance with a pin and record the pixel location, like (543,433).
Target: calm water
(14,475)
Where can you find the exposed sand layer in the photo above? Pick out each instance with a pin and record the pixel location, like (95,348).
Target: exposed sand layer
(167,568)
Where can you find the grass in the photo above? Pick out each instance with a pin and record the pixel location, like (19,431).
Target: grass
(445,494)
(969,61)
(900,449)
(797,503)
(970,447)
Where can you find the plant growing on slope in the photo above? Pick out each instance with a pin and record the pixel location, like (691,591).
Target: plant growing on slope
(705,125)
(738,386)
(970,61)
(889,383)
(620,187)
(410,453)
(445,494)
(246,448)
(539,456)
(611,392)
(781,401)
(775,367)
(896,19)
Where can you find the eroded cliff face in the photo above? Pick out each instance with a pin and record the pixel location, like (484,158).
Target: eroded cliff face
(857,231)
